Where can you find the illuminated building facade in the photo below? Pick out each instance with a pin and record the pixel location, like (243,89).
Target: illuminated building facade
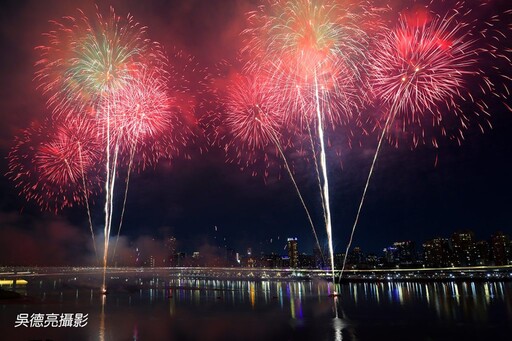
(501,250)
(437,253)
(293,252)
(464,250)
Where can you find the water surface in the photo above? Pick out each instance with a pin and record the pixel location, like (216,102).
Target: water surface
(163,306)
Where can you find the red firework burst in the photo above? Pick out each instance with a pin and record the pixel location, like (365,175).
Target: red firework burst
(252,116)
(422,71)
(250,127)
(137,112)
(246,120)
(55,163)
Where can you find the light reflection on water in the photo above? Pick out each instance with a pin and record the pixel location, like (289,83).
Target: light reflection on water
(160,307)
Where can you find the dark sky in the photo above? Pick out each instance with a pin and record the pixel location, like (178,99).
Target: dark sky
(410,196)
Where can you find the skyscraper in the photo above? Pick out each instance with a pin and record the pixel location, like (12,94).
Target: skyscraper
(405,252)
(483,252)
(464,250)
(501,251)
(437,252)
(170,248)
(293,252)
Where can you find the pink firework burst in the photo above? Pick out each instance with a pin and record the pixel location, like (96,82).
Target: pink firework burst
(55,163)
(252,113)
(250,127)
(422,71)
(137,114)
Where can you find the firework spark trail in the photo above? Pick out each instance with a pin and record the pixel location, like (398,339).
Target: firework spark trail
(274,138)
(140,117)
(111,166)
(121,219)
(132,154)
(145,116)
(108,199)
(141,113)
(325,189)
(87,202)
(109,206)
(136,113)
(363,196)
(319,182)
(317,172)
(130,165)
(420,84)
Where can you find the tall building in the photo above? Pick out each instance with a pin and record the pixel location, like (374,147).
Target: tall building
(293,252)
(180,259)
(272,261)
(390,255)
(464,250)
(405,252)
(356,256)
(437,252)
(372,260)
(170,248)
(338,261)
(501,250)
(482,253)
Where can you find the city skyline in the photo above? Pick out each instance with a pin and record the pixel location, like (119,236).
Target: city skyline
(461,249)
(215,250)
(414,194)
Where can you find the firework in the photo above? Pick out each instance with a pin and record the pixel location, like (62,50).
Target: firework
(333,89)
(248,125)
(251,115)
(245,120)
(136,113)
(421,71)
(185,88)
(311,50)
(54,163)
(85,60)
(154,116)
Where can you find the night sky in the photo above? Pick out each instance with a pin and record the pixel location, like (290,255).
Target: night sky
(411,196)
